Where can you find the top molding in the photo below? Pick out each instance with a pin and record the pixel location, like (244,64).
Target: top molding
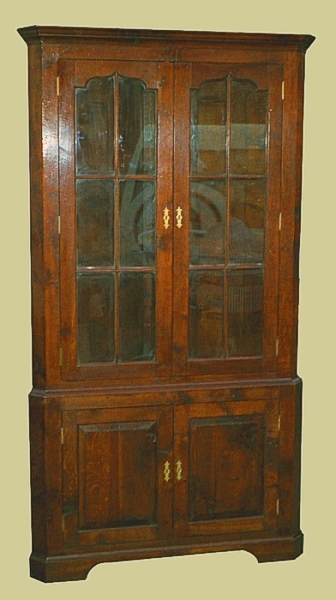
(36,34)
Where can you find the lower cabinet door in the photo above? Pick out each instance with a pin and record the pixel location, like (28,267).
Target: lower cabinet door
(226,460)
(117,484)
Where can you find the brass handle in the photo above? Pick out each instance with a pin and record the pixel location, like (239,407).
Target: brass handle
(179,470)
(179,217)
(166,218)
(166,472)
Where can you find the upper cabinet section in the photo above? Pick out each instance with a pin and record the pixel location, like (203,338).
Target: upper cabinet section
(166,179)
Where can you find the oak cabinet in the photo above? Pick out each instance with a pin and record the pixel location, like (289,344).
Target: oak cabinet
(165,415)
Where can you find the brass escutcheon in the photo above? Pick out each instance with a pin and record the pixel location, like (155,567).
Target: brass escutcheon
(179,217)
(166,218)
(166,472)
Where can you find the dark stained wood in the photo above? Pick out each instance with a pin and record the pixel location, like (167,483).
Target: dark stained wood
(114,485)
(189,77)
(290,458)
(160,78)
(174,455)
(229,455)
(33,33)
(46,485)
(291,213)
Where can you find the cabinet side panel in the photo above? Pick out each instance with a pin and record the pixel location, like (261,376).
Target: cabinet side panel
(53,462)
(36,214)
(290,459)
(37,474)
(44,209)
(45,474)
(291,210)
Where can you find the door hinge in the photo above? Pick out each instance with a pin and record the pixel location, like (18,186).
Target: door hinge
(278,506)
(59,224)
(277,347)
(279,422)
(57,85)
(283,91)
(60,357)
(62,436)
(280,221)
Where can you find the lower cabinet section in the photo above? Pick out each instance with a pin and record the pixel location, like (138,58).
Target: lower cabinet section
(150,473)
(203,472)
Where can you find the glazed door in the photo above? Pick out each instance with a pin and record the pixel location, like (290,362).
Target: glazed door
(117,484)
(227,455)
(115,139)
(228,121)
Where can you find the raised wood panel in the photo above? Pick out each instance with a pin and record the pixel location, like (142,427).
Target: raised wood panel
(114,484)
(118,475)
(229,453)
(226,468)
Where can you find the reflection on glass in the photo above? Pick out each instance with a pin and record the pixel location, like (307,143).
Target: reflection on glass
(95,210)
(207,222)
(137,223)
(247,214)
(248,128)
(95,309)
(206,299)
(94,127)
(245,318)
(137,317)
(208,128)
(137,128)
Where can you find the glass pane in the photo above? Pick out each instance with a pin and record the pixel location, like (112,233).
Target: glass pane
(208,128)
(94,127)
(137,316)
(137,128)
(248,129)
(95,208)
(95,297)
(206,297)
(245,319)
(247,214)
(137,223)
(207,222)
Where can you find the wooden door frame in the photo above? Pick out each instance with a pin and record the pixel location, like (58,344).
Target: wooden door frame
(269,412)
(159,76)
(73,422)
(189,76)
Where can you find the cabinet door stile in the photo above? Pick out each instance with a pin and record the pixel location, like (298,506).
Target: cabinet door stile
(181,202)
(67,214)
(165,226)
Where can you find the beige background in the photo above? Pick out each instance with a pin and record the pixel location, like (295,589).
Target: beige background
(230,575)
